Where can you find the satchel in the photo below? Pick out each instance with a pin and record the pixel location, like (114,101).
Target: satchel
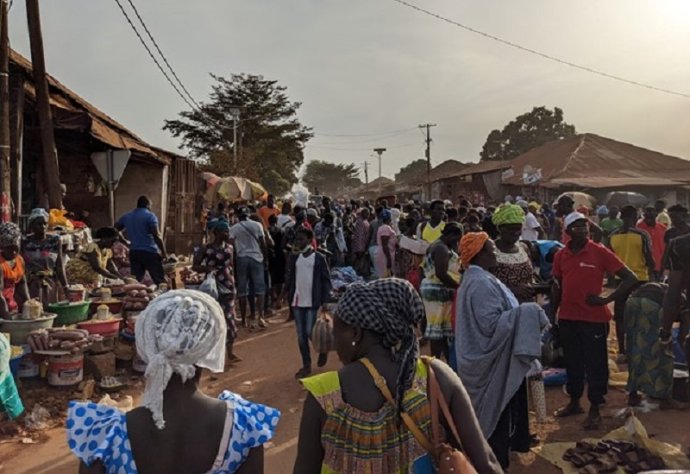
(448,459)
(322,334)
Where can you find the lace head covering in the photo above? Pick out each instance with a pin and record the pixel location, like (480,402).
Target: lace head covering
(9,234)
(38,213)
(178,331)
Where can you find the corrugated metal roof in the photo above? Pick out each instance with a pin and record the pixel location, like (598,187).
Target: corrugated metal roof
(102,126)
(600,162)
(481,167)
(447,169)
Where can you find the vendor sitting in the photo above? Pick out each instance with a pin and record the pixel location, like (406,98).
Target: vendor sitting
(95,261)
(42,253)
(12,278)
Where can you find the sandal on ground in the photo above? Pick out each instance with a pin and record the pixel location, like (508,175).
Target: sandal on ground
(569,410)
(303,372)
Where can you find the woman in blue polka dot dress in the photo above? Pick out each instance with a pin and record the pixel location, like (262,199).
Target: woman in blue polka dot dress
(177,428)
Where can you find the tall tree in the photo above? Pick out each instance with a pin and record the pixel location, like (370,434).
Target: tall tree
(415,171)
(330,178)
(527,131)
(270,137)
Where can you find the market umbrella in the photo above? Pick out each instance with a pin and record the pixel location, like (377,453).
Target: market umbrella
(228,189)
(580,198)
(626,198)
(257,190)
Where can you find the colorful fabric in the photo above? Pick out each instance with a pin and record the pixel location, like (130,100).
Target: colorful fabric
(13,274)
(582,274)
(515,269)
(9,234)
(221,259)
(438,298)
(508,214)
(392,308)
(266,212)
(79,269)
(656,236)
(10,402)
(355,441)
(609,225)
(634,248)
(470,245)
(360,236)
(41,256)
(650,369)
(99,433)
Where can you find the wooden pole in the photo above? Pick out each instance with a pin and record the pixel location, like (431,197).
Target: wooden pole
(5,174)
(17,150)
(51,168)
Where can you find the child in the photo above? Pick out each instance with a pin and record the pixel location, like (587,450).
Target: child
(308,287)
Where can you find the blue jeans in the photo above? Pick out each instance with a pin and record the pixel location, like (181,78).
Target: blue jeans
(305,318)
(249,270)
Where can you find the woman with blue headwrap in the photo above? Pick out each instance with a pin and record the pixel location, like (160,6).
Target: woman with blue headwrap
(217,258)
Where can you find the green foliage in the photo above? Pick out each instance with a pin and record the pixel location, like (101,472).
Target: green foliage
(527,131)
(415,171)
(330,178)
(270,137)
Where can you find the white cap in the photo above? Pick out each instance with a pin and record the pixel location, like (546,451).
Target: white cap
(573,217)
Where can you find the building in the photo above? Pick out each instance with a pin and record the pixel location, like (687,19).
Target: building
(479,183)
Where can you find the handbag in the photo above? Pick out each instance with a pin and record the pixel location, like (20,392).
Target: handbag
(322,334)
(448,459)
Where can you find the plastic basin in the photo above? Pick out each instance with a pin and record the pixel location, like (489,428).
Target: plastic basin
(94,326)
(19,329)
(70,313)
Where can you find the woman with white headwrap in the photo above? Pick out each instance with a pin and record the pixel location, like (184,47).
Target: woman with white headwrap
(12,274)
(179,333)
(42,253)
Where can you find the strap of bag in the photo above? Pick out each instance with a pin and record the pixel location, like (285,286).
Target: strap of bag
(380,383)
(438,400)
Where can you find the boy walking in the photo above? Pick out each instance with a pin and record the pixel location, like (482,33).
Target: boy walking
(309,287)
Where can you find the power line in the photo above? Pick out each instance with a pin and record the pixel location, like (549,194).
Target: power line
(541,54)
(308,145)
(391,132)
(148,50)
(165,60)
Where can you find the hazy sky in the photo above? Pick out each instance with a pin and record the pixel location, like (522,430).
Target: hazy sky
(363,67)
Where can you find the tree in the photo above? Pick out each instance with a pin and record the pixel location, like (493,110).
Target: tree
(527,131)
(330,178)
(415,171)
(270,137)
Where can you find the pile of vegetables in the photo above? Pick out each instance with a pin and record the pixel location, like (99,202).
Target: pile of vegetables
(190,277)
(62,339)
(137,296)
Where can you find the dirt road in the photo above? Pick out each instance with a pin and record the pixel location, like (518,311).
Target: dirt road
(267,375)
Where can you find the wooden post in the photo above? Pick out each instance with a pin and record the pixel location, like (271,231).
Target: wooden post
(5,175)
(17,143)
(51,168)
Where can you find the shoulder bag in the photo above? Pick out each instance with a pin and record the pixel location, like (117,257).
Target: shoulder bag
(448,459)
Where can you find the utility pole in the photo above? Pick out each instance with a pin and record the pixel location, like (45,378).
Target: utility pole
(428,157)
(366,175)
(380,152)
(235,112)
(5,172)
(51,167)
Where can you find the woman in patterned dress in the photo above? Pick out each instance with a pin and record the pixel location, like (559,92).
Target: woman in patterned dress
(177,428)
(217,257)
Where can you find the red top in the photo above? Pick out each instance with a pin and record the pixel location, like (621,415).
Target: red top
(582,274)
(656,235)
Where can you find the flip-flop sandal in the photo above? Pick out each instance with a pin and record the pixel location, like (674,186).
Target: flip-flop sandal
(568,410)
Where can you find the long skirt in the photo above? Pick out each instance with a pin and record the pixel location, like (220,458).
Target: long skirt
(650,369)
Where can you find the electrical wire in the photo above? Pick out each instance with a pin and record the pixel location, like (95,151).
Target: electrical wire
(165,60)
(390,132)
(310,145)
(148,50)
(541,54)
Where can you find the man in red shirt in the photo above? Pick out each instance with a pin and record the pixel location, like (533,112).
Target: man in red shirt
(656,232)
(579,270)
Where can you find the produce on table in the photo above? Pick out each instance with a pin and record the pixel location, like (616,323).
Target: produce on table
(62,339)
(190,277)
(138,296)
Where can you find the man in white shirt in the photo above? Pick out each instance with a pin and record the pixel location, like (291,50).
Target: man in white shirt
(249,240)
(531,228)
(285,220)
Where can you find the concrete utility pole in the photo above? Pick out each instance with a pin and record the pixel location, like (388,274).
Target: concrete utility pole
(366,175)
(380,152)
(5,172)
(235,112)
(51,167)
(428,157)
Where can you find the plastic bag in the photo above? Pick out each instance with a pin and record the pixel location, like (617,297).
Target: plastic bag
(57,219)
(322,334)
(209,286)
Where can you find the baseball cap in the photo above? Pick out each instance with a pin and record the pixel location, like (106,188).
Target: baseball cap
(573,217)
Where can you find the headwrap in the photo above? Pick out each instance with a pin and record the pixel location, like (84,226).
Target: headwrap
(178,331)
(392,308)
(522,203)
(602,210)
(38,213)
(9,234)
(583,209)
(508,214)
(535,205)
(386,214)
(470,245)
(218,224)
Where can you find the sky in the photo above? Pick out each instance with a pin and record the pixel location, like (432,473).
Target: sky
(368,72)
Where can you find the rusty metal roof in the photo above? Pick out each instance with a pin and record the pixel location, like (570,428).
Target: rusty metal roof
(481,167)
(101,126)
(593,161)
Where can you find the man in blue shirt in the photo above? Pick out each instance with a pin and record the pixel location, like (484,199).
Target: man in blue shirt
(146,250)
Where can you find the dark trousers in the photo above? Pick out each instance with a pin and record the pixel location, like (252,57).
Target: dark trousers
(512,430)
(586,358)
(142,262)
(619,316)
(305,318)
